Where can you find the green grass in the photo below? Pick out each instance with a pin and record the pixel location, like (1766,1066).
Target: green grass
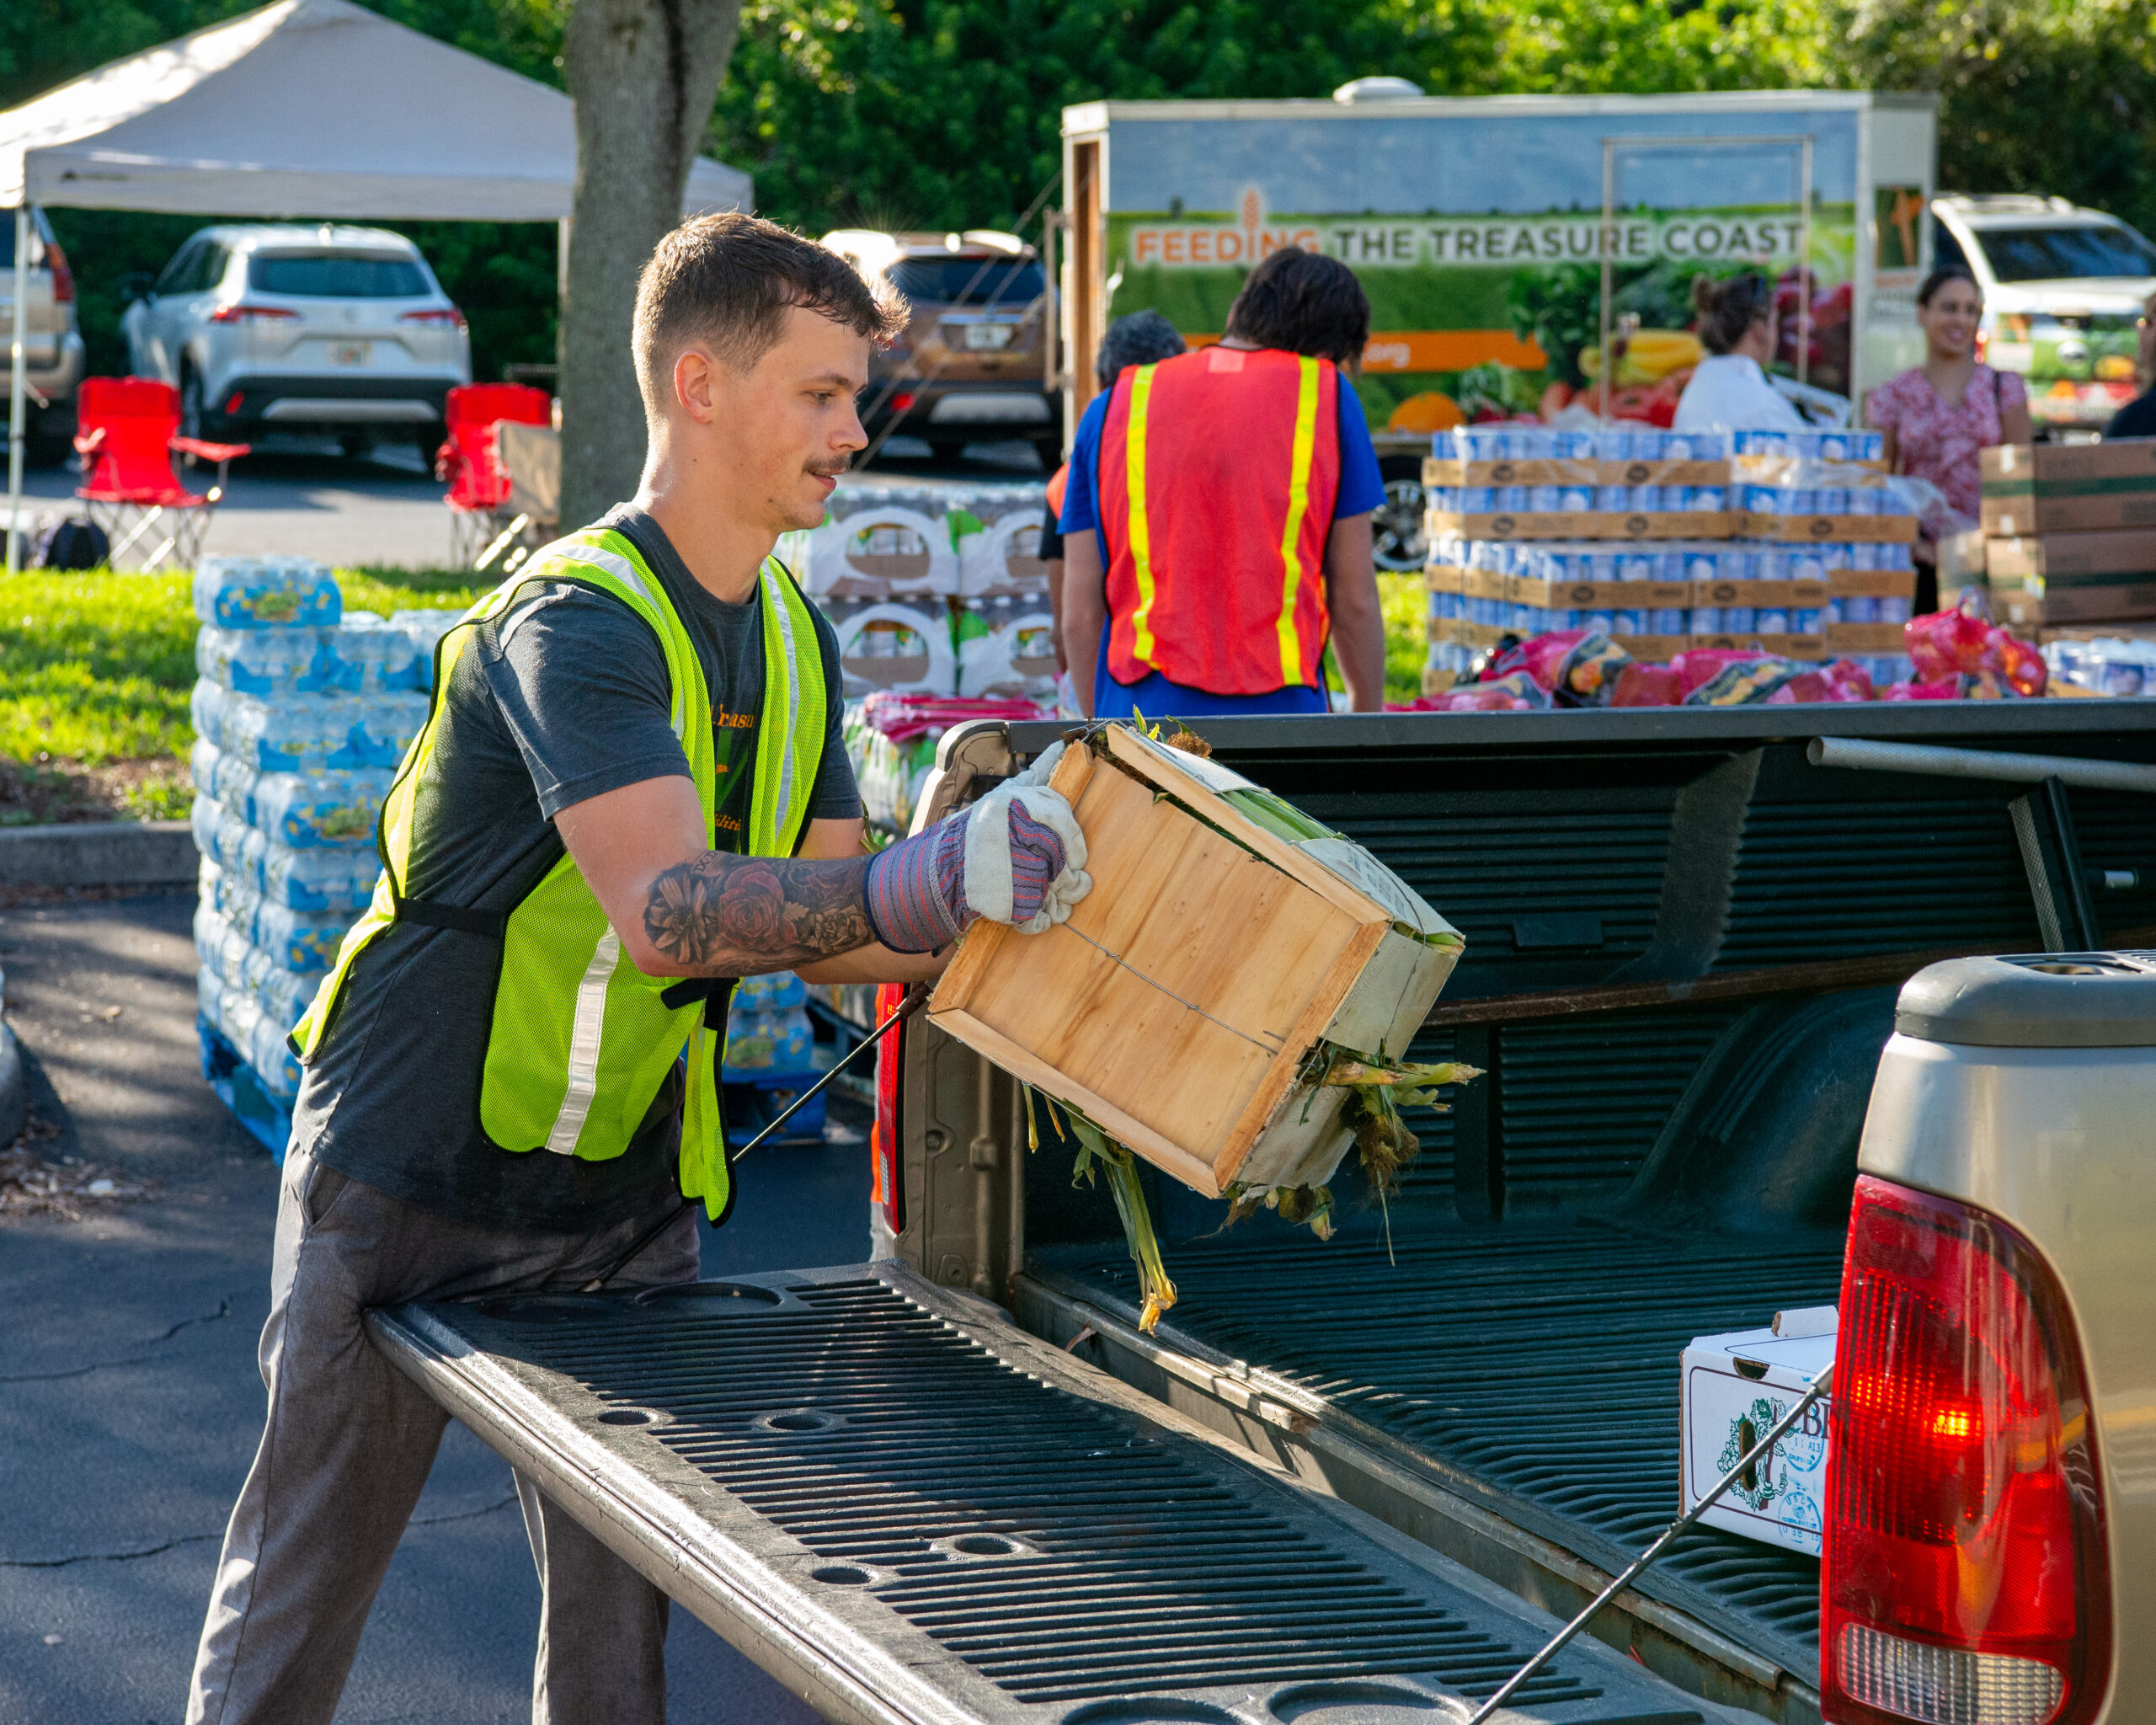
(1407,634)
(96,667)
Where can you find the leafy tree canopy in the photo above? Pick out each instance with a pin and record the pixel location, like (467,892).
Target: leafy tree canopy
(946,113)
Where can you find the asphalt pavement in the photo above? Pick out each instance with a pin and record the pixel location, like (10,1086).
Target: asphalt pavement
(298,497)
(131,1401)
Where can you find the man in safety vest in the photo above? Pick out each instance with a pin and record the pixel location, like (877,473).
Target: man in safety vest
(1217,522)
(631,788)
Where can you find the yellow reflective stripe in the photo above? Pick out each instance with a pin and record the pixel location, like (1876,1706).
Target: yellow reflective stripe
(1141,539)
(1292,670)
(776,744)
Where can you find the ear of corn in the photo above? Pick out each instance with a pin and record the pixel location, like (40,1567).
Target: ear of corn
(1158,1292)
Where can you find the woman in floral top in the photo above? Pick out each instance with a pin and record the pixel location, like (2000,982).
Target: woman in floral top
(1937,415)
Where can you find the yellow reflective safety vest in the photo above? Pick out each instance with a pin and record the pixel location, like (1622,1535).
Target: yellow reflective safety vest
(581,1038)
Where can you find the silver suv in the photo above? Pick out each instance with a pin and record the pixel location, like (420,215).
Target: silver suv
(52,349)
(2063,287)
(328,330)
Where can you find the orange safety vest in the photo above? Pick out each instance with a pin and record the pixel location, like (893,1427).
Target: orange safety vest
(1220,468)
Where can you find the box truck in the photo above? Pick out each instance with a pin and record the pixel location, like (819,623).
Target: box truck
(1516,249)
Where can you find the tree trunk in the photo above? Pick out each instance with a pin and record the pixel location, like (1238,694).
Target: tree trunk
(643,74)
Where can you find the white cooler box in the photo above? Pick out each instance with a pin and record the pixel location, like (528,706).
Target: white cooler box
(1735,1388)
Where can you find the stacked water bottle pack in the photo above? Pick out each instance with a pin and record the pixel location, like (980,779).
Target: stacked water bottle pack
(770,1058)
(301,714)
(1793,541)
(767,1029)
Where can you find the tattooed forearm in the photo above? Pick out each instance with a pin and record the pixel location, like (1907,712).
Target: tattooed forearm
(725,915)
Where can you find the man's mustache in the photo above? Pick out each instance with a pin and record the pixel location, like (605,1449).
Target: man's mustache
(831,470)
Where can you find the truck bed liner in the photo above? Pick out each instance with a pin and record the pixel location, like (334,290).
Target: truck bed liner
(909,1511)
(1532,1369)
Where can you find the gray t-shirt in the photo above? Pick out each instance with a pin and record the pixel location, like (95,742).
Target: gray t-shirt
(562,698)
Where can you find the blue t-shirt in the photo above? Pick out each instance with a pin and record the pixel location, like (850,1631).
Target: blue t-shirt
(1362,489)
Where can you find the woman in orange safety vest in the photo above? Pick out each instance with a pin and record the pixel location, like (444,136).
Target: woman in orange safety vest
(1217,518)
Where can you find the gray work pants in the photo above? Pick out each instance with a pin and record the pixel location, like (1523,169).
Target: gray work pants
(347,1445)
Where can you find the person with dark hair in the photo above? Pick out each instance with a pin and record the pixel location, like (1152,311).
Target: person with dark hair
(1729,390)
(2137,418)
(1142,339)
(631,789)
(1936,416)
(1217,525)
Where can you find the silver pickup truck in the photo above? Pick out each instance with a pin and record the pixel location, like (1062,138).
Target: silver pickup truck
(1358,1480)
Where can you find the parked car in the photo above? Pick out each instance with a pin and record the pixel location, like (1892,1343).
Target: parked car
(53,348)
(971,365)
(2063,287)
(329,330)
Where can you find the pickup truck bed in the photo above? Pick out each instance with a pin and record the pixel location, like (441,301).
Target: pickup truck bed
(1684,944)
(1529,1369)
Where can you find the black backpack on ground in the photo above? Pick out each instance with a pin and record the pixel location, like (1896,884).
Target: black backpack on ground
(77,544)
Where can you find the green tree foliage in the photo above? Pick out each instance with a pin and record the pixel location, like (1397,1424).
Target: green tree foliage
(946,113)
(2050,96)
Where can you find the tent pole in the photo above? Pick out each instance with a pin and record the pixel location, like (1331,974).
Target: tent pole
(16,380)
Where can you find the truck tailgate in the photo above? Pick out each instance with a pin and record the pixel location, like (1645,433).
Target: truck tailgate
(908,1510)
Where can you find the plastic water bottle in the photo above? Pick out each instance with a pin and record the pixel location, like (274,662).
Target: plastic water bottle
(322,880)
(205,708)
(269,1056)
(286,995)
(377,728)
(287,736)
(266,592)
(779,991)
(267,661)
(300,940)
(240,847)
(204,816)
(363,655)
(304,811)
(204,757)
(426,628)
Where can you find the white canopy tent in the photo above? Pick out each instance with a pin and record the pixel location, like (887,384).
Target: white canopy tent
(304,107)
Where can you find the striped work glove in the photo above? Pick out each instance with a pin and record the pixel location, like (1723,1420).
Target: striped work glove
(1017,855)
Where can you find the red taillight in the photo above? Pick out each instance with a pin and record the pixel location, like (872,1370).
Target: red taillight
(235,401)
(452,316)
(902,403)
(63,278)
(1964,1573)
(251,314)
(883,1138)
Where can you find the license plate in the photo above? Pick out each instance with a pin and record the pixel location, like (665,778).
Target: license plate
(350,353)
(990,335)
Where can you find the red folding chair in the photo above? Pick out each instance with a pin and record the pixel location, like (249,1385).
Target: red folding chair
(480,522)
(128,434)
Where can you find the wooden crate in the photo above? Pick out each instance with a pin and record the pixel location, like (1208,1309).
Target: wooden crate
(1179,1006)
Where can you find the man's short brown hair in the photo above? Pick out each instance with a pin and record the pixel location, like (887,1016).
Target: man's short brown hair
(728,281)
